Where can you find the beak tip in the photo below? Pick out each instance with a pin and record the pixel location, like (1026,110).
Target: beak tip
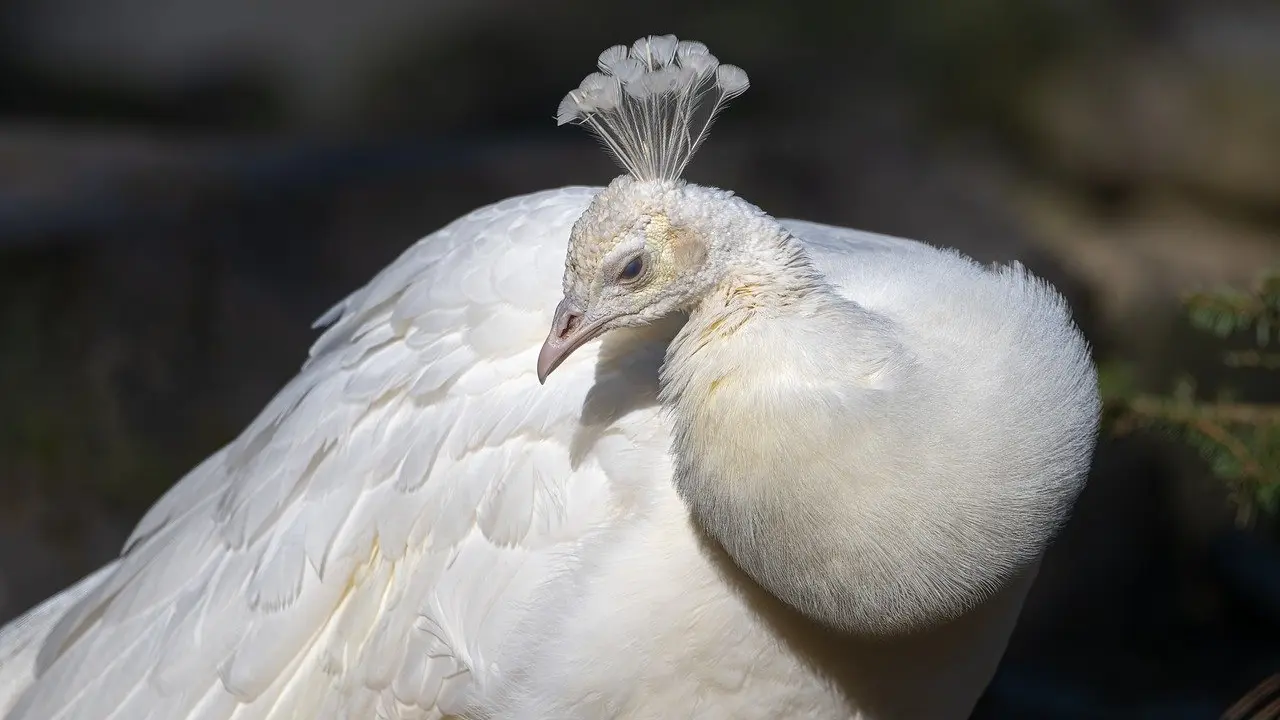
(564,338)
(546,363)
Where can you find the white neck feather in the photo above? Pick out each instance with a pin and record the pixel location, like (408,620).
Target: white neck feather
(835,470)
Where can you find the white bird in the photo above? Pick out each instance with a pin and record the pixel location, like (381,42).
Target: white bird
(806,472)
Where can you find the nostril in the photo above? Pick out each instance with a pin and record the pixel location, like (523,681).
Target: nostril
(571,322)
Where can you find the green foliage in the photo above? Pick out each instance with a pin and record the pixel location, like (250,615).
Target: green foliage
(1238,438)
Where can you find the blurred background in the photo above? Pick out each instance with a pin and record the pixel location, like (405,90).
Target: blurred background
(186,184)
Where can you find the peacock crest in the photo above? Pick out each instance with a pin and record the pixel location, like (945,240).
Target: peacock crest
(652,104)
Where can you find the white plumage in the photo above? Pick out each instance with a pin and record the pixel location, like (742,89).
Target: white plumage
(416,528)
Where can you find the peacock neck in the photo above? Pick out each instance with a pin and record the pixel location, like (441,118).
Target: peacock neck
(775,281)
(775,275)
(753,263)
(776,348)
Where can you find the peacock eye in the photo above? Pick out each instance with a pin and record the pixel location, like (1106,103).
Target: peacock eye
(632,269)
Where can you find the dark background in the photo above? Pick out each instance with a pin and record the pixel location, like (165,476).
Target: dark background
(186,184)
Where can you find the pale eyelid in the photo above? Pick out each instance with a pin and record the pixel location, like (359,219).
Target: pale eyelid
(644,269)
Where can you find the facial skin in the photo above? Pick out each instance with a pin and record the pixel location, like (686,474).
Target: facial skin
(629,263)
(612,300)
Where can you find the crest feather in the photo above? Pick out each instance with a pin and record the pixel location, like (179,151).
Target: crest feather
(649,103)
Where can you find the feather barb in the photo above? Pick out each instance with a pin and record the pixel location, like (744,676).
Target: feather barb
(652,104)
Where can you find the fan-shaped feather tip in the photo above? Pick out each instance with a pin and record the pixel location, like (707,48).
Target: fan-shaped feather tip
(648,103)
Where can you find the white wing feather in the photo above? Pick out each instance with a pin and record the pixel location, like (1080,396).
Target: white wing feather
(359,550)
(21,639)
(365,545)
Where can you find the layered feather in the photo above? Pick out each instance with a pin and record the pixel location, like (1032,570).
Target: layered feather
(360,549)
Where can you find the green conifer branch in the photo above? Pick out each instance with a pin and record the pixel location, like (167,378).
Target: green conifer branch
(1239,439)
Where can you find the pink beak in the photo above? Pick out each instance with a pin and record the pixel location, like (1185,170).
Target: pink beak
(568,333)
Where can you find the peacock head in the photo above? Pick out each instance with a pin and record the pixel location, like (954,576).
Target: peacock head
(644,247)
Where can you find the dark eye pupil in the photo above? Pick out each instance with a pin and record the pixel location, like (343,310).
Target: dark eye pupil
(632,270)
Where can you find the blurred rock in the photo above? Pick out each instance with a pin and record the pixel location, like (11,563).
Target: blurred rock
(1200,111)
(1139,261)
